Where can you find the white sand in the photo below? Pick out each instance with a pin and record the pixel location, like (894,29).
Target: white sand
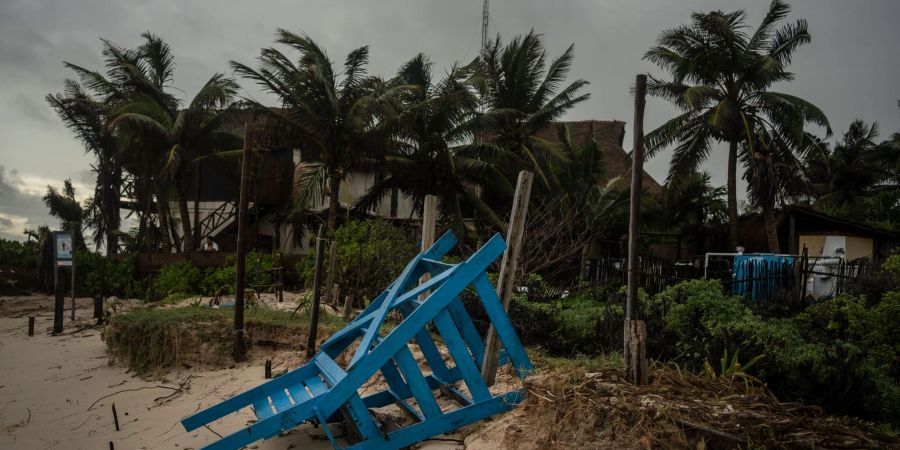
(49,383)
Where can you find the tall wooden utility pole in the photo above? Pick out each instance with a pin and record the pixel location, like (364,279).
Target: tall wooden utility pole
(317,291)
(635,331)
(240,348)
(514,234)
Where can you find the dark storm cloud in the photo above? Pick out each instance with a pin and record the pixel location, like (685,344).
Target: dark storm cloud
(849,69)
(19,209)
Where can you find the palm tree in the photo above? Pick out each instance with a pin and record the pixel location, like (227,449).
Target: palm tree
(126,165)
(523,95)
(857,177)
(89,117)
(692,207)
(185,134)
(774,174)
(66,208)
(338,120)
(721,81)
(436,152)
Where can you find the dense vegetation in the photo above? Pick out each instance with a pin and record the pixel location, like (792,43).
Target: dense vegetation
(841,353)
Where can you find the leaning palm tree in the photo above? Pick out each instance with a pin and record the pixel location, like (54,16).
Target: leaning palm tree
(126,163)
(88,117)
(64,206)
(721,81)
(436,152)
(186,135)
(523,95)
(338,120)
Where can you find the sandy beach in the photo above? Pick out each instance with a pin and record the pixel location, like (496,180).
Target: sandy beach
(57,392)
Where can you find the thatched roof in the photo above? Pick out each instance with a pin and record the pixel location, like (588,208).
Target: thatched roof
(610,134)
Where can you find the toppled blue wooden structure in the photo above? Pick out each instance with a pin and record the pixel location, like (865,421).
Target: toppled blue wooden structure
(323,392)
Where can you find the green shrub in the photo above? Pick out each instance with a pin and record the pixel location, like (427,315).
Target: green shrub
(180,277)
(703,323)
(842,353)
(305,269)
(261,275)
(369,255)
(19,254)
(96,274)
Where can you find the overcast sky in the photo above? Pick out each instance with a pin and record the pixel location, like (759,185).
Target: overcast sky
(850,69)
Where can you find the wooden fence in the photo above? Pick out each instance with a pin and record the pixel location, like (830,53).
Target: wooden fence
(755,280)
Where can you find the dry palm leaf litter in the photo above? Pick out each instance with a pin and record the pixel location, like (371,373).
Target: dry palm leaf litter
(572,408)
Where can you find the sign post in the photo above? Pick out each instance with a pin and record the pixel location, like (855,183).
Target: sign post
(63,256)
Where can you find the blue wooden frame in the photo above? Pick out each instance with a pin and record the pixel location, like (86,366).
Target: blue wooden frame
(322,391)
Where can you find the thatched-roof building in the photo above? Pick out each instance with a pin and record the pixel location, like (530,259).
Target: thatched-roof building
(610,134)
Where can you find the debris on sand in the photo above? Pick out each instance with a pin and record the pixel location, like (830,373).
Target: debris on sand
(571,408)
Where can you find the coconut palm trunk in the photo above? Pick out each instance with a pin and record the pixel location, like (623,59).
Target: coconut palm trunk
(185,214)
(163,214)
(772,230)
(733,231)
(334,186)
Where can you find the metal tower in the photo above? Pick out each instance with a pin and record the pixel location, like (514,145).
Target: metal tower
(484,25)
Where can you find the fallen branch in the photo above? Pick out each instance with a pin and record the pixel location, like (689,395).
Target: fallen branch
(214,431)
(129,390)
(709,430)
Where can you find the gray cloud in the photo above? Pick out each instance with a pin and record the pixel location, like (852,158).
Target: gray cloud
(849,69)
(31,110)
(19,209)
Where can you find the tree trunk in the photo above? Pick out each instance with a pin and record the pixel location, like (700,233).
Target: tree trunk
(185,214)
(734,233)
(772,230)
(163,214)
(334,188)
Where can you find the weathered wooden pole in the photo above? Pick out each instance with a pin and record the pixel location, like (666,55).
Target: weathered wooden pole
(240,348)
(72,273)
(317,291)
(59,300)
(514,234)
(429,219)
(635,330)
(31,325)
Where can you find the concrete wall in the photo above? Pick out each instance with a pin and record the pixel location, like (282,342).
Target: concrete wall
(856,247)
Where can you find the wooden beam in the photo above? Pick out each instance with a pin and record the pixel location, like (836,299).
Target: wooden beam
(514,234)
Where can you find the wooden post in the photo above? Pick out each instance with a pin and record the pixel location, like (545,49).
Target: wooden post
(635,331)
(317,291)
(348,307)
(115,416)
(429,218)
(72,273)
(240,350)
(31,325)
(514,234)
(98,307)
(59,302)
(268,369)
